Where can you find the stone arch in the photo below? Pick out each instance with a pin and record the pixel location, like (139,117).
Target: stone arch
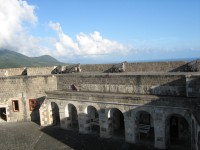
(54,113)
(93,118)
(87,107)
(178,131)
(71,115)
(144,122)
(116,122)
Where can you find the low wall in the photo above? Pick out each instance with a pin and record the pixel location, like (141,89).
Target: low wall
(193,86)
(30,71)
(135,84)
(11,72)
(139,67)
(130,67)
(40,70)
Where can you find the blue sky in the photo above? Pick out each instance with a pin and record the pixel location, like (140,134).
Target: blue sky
(111,30)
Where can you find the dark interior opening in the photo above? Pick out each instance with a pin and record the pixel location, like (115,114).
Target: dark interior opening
(179,132)
(3,115)
(55,113)
(94,119)
(73,116)
(118,122)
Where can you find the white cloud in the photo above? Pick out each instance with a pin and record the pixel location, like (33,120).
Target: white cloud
(86,45)
(17,17)
(14,14)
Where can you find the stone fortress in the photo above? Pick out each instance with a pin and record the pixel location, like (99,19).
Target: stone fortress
(155,103)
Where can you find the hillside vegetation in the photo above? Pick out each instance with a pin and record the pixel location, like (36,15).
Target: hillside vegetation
(11,59)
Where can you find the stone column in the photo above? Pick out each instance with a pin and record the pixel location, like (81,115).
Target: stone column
(105,124)
(64,121)
(83,120)
(84,123)
(105,127)
(45,114)
(159,129)
(130,129)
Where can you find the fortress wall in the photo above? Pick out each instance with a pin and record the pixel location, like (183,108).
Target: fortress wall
(11,86)
(23,88)
(139,67)
(174,85)
(40,70)
(130,67)
(30,71)
(193,86)
(11,72)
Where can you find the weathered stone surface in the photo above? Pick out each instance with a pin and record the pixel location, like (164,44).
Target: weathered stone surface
(145,93)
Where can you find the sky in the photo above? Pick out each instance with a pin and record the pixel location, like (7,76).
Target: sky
(102,31)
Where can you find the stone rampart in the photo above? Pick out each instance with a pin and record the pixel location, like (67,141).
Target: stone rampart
(139,67)
(129,67)
(193,86)
(11,72)
(134,84)
(30,71)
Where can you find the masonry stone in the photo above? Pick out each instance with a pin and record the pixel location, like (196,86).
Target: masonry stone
(153,103)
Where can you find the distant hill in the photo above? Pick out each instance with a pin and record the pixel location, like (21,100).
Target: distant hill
(11,59)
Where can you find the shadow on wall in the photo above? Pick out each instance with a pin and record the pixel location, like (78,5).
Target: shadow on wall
(183,68)
(77,141)
(192,66)
(163,113)
(34,107)
(176,126)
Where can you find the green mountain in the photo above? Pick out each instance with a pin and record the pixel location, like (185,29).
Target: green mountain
(11,59)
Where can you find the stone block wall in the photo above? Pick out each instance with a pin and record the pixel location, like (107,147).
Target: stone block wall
(23,88)
(173,85)
(11,72)
(139,67)
(129,67)
(40,70)
(193,86)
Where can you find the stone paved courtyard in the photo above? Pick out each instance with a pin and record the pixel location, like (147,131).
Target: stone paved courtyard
(30,136)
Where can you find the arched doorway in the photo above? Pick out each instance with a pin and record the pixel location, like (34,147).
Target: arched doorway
(72,116)
(116,118)
(145,128)
(178,133)
(55,113)
(93,117)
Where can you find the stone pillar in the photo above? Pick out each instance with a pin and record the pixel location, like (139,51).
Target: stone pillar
(130,130)
(159,129)
(64,122)
(45,114)
(84,124)
(105,124)
(105,127)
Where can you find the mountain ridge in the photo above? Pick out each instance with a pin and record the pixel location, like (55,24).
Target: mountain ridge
(12,59)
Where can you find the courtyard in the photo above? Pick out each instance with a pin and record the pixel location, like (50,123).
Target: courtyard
(31,136)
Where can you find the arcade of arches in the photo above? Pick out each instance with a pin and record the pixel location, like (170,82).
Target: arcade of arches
(137,125)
